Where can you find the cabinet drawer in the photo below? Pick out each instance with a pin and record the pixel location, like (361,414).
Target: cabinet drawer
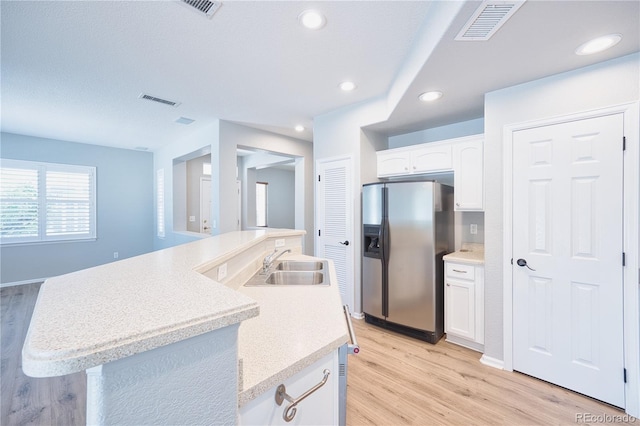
(460,270)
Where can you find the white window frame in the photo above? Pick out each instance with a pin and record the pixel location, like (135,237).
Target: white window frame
(160,229)
(42,168)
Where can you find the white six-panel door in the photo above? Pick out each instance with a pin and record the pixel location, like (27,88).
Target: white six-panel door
(568,227)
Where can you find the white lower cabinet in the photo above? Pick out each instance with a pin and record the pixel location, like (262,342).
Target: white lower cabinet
(464,304)
(319,408)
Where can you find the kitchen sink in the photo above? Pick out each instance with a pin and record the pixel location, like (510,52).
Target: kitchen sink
(299,265)
(295,278)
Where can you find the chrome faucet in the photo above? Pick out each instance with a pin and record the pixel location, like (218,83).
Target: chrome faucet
(269,259)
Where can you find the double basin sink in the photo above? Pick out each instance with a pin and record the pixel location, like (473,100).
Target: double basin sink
(292,272)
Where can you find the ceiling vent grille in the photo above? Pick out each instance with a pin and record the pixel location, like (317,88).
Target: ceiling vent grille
(204,6)
(159,100)
(487,20)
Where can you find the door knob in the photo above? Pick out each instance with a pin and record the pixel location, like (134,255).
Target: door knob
(522,262)
(345,243)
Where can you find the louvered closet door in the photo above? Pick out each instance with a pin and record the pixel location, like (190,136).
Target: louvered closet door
(334,233)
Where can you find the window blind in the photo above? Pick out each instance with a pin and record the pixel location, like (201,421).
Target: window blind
(46,202)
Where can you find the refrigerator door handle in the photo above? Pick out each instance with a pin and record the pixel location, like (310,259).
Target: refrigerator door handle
(384,249)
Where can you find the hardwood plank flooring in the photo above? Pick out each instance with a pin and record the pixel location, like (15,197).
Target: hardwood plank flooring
(398,380)
(394,380)
(27,400)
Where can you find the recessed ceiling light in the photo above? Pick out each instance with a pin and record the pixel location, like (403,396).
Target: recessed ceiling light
(347,86)
(299,128)
(430,96)
(599,44)
(312,19)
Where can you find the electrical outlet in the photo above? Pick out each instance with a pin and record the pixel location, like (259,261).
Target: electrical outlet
(473,229)
(215,223)
(192,218)
(115,255)
(280,243)
(222,272)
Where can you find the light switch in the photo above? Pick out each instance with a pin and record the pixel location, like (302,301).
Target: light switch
(192,218)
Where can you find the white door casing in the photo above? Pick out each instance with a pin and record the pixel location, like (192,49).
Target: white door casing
(334,216)
(205,205)
(239,206)
(567,226)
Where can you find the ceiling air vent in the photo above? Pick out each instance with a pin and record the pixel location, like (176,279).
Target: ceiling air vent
(490,16)
(204,6)
(159,100)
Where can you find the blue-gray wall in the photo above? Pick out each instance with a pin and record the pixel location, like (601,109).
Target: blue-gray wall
(281,206)
(125,208)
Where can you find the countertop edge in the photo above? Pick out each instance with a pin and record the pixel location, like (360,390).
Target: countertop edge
(455,257)
(51,363)
(35,366)
(247,395)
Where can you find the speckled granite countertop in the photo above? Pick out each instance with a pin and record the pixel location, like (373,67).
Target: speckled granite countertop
(297,326)
(469,253)
(98,315)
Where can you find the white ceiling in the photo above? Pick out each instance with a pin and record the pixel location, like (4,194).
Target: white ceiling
(73,70)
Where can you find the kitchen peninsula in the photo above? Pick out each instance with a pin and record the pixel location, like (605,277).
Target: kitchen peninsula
(174,336)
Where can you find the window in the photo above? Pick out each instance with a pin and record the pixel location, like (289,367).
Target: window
(42,202)
(261,203)
(160,201)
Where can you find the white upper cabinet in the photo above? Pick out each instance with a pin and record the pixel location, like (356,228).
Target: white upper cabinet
(462,156)
(394,163)
(431,159)
(468,175)
(419,159)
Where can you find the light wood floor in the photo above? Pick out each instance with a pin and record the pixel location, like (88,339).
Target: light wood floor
(394,380)
(25,400)
(397,380)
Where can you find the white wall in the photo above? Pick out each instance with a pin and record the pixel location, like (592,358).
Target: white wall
(221,139)
(606,84)
(339,134)
(203,139)
(233,135)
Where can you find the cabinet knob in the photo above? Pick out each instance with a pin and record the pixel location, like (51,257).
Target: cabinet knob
(448,285)
(458,204)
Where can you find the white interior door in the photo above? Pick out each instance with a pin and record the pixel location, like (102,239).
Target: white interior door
(205,205)
(567,226)
(334,238)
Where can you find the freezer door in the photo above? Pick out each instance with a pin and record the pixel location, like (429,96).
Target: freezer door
(372,287)
(372,204)
(372,261)
(411,255)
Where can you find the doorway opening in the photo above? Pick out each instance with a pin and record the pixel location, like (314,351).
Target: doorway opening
(272,189)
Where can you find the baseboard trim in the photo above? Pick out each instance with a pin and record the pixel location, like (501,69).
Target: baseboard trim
(357,315)
(492,362)
(25,282)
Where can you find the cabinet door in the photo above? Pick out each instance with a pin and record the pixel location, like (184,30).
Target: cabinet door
(468,178)
(460,315)
(319,408)
(393,163)
(431,159)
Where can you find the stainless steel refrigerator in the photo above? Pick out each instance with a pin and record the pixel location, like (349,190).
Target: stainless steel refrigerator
(407,229)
